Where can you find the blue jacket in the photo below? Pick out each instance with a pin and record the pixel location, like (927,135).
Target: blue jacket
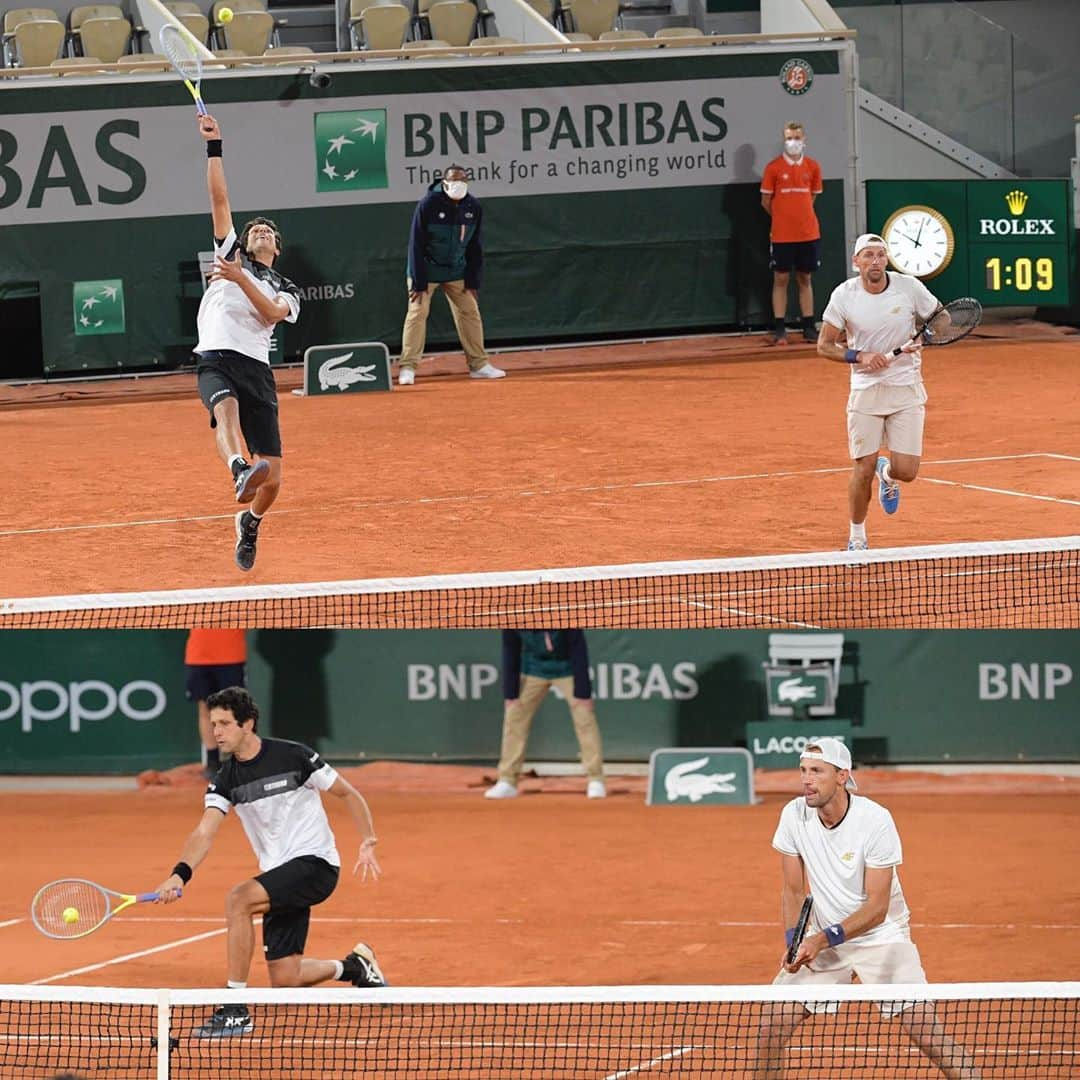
(444,241)
(547,654)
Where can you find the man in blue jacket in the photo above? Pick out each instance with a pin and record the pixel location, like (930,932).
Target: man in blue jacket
(533,662)
(445,251)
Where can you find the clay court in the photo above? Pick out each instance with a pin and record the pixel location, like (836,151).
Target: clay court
(555,890)
(704,447)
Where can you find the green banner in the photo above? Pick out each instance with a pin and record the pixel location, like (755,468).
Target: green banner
(356,368)
(700,777)
(777,744)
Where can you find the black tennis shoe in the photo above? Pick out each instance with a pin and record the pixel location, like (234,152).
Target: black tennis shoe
(247,536)
(249,479)
(224,1022)
(361,967)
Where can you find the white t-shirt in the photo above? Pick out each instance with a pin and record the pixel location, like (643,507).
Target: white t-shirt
(881,322)
(836,860)
(227,319)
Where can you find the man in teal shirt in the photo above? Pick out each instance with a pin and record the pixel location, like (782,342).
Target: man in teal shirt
(533,662)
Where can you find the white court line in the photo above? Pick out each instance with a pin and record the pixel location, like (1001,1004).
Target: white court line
(129,956)
(1001,491)
(649,1064)
(12,922)
(516,493)
(916,925)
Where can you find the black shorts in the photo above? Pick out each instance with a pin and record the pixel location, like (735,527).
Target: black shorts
(294,888)
(231,374)
(202,680)
(804,256)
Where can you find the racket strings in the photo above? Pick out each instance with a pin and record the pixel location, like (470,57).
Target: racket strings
(953,321)
(90,903)
(181,54)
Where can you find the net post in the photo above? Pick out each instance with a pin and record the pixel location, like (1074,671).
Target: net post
(163,1035)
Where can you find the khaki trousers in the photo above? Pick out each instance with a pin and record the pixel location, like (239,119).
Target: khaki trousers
(518,720)
(466,313)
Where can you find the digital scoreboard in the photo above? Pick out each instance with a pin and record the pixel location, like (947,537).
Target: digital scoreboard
(1005,242)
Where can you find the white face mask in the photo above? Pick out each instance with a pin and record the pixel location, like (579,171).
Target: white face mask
(794,147)
(455,189)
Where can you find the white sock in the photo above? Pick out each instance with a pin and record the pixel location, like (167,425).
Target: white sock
(257,517)
(234,459)
(339,969)
(858,532)
(233,985)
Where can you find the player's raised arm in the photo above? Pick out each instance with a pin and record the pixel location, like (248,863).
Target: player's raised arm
(196,848)
(215,177)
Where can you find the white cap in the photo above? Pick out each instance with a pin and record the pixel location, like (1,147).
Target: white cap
(832,752)
(865,240)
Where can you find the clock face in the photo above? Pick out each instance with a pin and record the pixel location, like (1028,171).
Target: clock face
(920,241)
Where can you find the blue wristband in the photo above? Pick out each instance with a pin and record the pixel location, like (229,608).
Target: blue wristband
(789,936)
(835,935)
(852,356)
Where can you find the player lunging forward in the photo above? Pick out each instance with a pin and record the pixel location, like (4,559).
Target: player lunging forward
(847,849)
(246,299)
(274,786)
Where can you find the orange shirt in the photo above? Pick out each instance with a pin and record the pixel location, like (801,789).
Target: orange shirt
(792,187)
(216,647)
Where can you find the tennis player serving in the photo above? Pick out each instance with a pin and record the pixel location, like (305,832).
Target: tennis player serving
(245,300)
(878,312)
(845,847)
(274,786)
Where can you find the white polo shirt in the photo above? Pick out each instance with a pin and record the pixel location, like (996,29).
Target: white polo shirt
(881,322)
(227,319)
(836,860)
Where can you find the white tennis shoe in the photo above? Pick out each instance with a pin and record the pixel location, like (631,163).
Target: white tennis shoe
(502,790)
(596,790)
(488,371)
(406,376)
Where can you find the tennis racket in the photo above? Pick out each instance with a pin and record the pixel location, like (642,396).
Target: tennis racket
(800,929)
(949,323)
(179,45)
(74,907)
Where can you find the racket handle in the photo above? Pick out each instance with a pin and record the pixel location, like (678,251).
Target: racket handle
(201,108)
(150,897)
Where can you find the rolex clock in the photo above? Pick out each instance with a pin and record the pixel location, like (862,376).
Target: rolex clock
(920,241)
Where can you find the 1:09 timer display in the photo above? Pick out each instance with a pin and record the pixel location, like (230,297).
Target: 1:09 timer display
(1022,274)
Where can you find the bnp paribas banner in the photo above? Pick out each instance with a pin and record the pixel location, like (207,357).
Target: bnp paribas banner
(620,194)
(588,126)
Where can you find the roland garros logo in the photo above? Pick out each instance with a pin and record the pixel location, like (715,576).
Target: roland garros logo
(797,76)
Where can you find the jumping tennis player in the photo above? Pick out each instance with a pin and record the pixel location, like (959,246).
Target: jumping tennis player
(274,786)
(245,300)
(846,849)
(878,312)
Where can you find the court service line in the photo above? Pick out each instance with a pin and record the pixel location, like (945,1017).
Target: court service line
(128,956)
(917,925)
(1001,491)
(476,497)
(12,922)
(645,1066)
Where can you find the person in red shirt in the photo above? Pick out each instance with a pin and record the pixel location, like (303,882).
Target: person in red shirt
(213,660)
(789,187)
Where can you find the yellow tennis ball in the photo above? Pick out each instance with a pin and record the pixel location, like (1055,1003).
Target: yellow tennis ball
(225,15)
(71,915)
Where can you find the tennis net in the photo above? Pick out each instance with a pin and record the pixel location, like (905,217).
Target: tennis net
(985,1030)
(1021,583)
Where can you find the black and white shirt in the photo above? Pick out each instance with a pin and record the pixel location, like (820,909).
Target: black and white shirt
(227,319)
(276,795)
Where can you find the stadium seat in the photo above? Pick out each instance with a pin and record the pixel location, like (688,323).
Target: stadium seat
(108,38)
(77,65)
(34,42)
(624,35)
(249,32)
(490,45)
(384,26)
(424,43)
(78,15)
(219,30)
(144,63)
(285,53)
(577,35)
(12,19)
(678,32)
(593,17)
(453,21)
(190,14)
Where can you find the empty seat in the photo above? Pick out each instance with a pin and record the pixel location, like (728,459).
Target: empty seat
(678,32)
(141,63)
(249,32)
(624,35)
(424,43)
(191,16)
(453,21)
(383,26)
(594,17)
(35,43)
(105,37)
(78,15)
(577,35)
(77,65)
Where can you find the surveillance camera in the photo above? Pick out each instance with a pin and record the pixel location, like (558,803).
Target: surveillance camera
(319,79)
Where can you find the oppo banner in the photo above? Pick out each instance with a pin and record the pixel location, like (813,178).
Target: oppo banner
(91,702)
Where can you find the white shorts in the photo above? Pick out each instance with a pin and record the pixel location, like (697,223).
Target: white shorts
(886,415)
(897,962)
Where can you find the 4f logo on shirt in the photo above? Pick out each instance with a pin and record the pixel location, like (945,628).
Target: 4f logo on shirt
(350,150)
(98,307)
